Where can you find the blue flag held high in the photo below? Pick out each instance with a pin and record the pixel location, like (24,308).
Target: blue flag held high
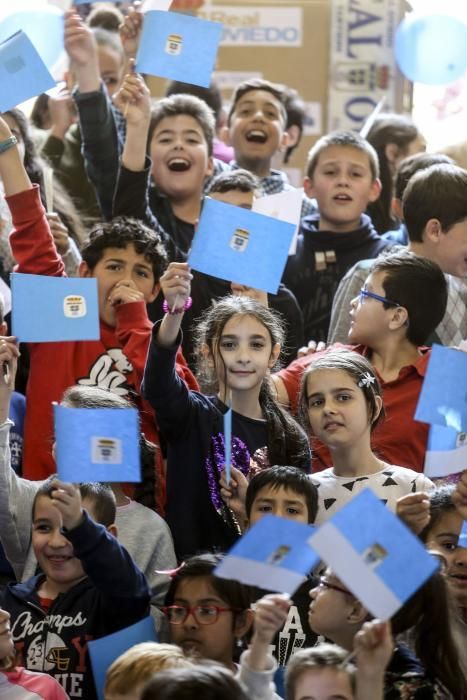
(241,246)
(23,74)
(446,451)
(97,444)
(374,554)
(274,554)
(54,309)
(178,47)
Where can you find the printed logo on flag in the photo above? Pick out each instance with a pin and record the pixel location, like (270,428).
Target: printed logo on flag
(239,240)
(173,45)
(106,450)
(74,306)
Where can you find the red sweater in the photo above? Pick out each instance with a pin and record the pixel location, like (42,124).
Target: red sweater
(399,438)
(115,362)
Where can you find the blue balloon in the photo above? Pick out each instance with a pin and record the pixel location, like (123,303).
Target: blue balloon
(44,28)
(431,49)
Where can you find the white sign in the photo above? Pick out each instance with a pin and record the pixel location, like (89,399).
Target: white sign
(257,26)
(362,62)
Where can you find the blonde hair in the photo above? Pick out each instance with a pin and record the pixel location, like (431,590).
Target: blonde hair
(139,663)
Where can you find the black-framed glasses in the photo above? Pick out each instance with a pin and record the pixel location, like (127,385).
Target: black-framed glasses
(203,614)
(365,293)
(324,583)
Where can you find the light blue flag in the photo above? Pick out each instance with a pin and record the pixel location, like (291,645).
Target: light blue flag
(23,74)
(53,309)
(374,554)
(274,554)
(463,536)
(97,444)
(443,398)
(228,443)
(241,246)
(178,47)
(44,28)
(105,650)
(446,451)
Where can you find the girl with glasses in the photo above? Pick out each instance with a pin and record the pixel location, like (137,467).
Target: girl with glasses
(341,404)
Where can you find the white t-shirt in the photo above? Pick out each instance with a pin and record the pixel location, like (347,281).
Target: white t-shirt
(389,484)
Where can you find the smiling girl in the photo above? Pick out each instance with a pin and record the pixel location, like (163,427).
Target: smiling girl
(341,404)
(239,342)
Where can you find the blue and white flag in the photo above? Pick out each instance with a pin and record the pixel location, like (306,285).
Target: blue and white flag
(23,73)
(446,451)
(463,536)
(97,444)
(374,554)
(54,309)
(178,47)
(274,554)
(241,246)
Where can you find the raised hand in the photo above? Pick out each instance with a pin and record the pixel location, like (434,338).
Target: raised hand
(125,292)
(414,510)
(62,111)
(133,99)
(67,500)
(130,30)
(176,284)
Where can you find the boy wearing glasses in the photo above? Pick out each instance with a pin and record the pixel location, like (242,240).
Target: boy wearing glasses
(401,303)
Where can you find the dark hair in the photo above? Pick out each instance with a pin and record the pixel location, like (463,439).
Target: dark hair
(108,18)
(276,91)
(205,681)
(287,444)
(296,113)
(289,478)
(386,129)
(108,39)
(439,192)
(239,179)
(417,284)
(356,367)
(413,164)
(323,655)
(188,105)
(211,95)
(79,396)
(40,114)
(100,496)
(120,233)
(34,166)
(428,614)
(235,594)
(440,503)
(348,139)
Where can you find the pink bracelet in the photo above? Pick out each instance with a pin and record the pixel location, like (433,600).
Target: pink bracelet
(180,310)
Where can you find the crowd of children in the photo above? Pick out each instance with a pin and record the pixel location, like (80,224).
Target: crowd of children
(107,183)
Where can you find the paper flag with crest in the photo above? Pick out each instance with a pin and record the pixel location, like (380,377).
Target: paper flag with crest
(374,554)
(97,444)
(446,451)
(178,47)
(241,246)
(23,74)
(54,309)
(285,206)
(273,554)
(105,650)
(443,398)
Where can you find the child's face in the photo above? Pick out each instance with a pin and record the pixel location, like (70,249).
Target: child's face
(343,186)
(214,641)
(122,267)
(180,160)
(235,197)
(323,684)
(330,606)
(444,538)
(337,408)
(256,130)
(279,501)
(451,250)
(54,553)
(244,355)
(7,648)
(370,321)
(110,68)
